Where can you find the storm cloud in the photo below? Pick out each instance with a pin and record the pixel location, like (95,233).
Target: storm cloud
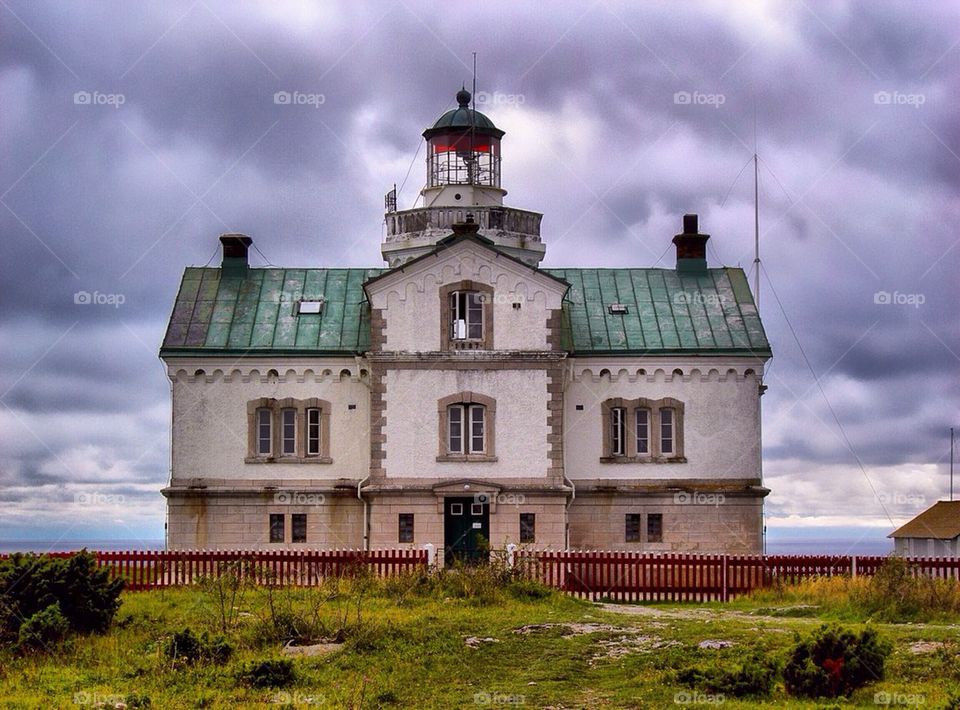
(134,134)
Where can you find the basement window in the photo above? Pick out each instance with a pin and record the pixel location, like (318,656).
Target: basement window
(655,527)
(405,532)
(276,527)
(310,307)
(298,527)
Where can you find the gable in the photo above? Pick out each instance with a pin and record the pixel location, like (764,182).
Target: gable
(466,257)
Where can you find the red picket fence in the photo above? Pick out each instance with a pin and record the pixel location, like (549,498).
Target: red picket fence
(150,569)
(632,576)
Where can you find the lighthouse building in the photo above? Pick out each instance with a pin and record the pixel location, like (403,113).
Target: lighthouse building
(462,394)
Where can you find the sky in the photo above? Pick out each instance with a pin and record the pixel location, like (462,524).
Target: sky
(133,134)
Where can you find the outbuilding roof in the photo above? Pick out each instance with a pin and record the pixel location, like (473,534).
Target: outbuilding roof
(939,522)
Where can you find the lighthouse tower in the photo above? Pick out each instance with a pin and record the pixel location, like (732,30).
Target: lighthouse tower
(463,185)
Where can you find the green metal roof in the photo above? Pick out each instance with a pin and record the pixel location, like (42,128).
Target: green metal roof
(712,313)
(256,313)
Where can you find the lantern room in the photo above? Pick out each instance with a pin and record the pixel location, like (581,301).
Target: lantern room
(463,157)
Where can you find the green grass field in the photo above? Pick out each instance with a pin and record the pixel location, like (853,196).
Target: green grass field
(407,649)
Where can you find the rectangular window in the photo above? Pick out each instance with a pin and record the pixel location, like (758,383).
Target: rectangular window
(466,313)
(528,527)
(298,527)
(655,527)
(276,527)
(264,432)
(406,527)
(666,431)
(617,439)
(633,527)
(313,432)
(643,431)
(289,432)
(455,422)
(465,429)
(476,429)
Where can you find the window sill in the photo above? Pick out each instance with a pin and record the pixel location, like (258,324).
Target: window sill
(461,458)
(288,459)
(643,459)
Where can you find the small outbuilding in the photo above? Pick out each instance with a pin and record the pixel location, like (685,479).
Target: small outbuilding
(933,533)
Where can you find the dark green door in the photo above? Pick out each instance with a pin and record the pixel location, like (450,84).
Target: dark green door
(466,530)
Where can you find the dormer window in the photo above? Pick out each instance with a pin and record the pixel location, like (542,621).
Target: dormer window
(466,315)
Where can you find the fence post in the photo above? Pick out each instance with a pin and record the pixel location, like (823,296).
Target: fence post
(511,554)
(725,595)
(853,566)
(431,554)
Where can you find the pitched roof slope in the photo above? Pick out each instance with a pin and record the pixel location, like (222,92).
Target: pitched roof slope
(940,522)
(712,313)
(667,312)
(256,313)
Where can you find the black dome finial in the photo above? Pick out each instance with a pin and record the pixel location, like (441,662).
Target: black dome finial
(463,97)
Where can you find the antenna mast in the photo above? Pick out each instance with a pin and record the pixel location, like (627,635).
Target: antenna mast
(951,463)
(756,214)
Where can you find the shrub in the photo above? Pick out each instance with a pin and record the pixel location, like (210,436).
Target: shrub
(275,673)
(187,647)
(86,595)
(754,676)
(44,629)
(834,662)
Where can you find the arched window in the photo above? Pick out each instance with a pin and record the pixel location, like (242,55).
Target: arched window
(288,430)
(642,430)
(466,309)
(467,430)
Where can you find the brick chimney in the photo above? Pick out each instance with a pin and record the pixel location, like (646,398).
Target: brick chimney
(235,248)
(691,246)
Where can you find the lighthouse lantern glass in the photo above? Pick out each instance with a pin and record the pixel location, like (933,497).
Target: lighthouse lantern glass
(463,159)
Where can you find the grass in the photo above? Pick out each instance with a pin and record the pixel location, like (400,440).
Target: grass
(405,648)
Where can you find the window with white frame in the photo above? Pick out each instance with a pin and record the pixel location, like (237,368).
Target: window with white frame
(666,431)
(466,315)
(618,440)
(283,430)
(313,431)
(466,429)
(642,430)
(289,432)
(264,432)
